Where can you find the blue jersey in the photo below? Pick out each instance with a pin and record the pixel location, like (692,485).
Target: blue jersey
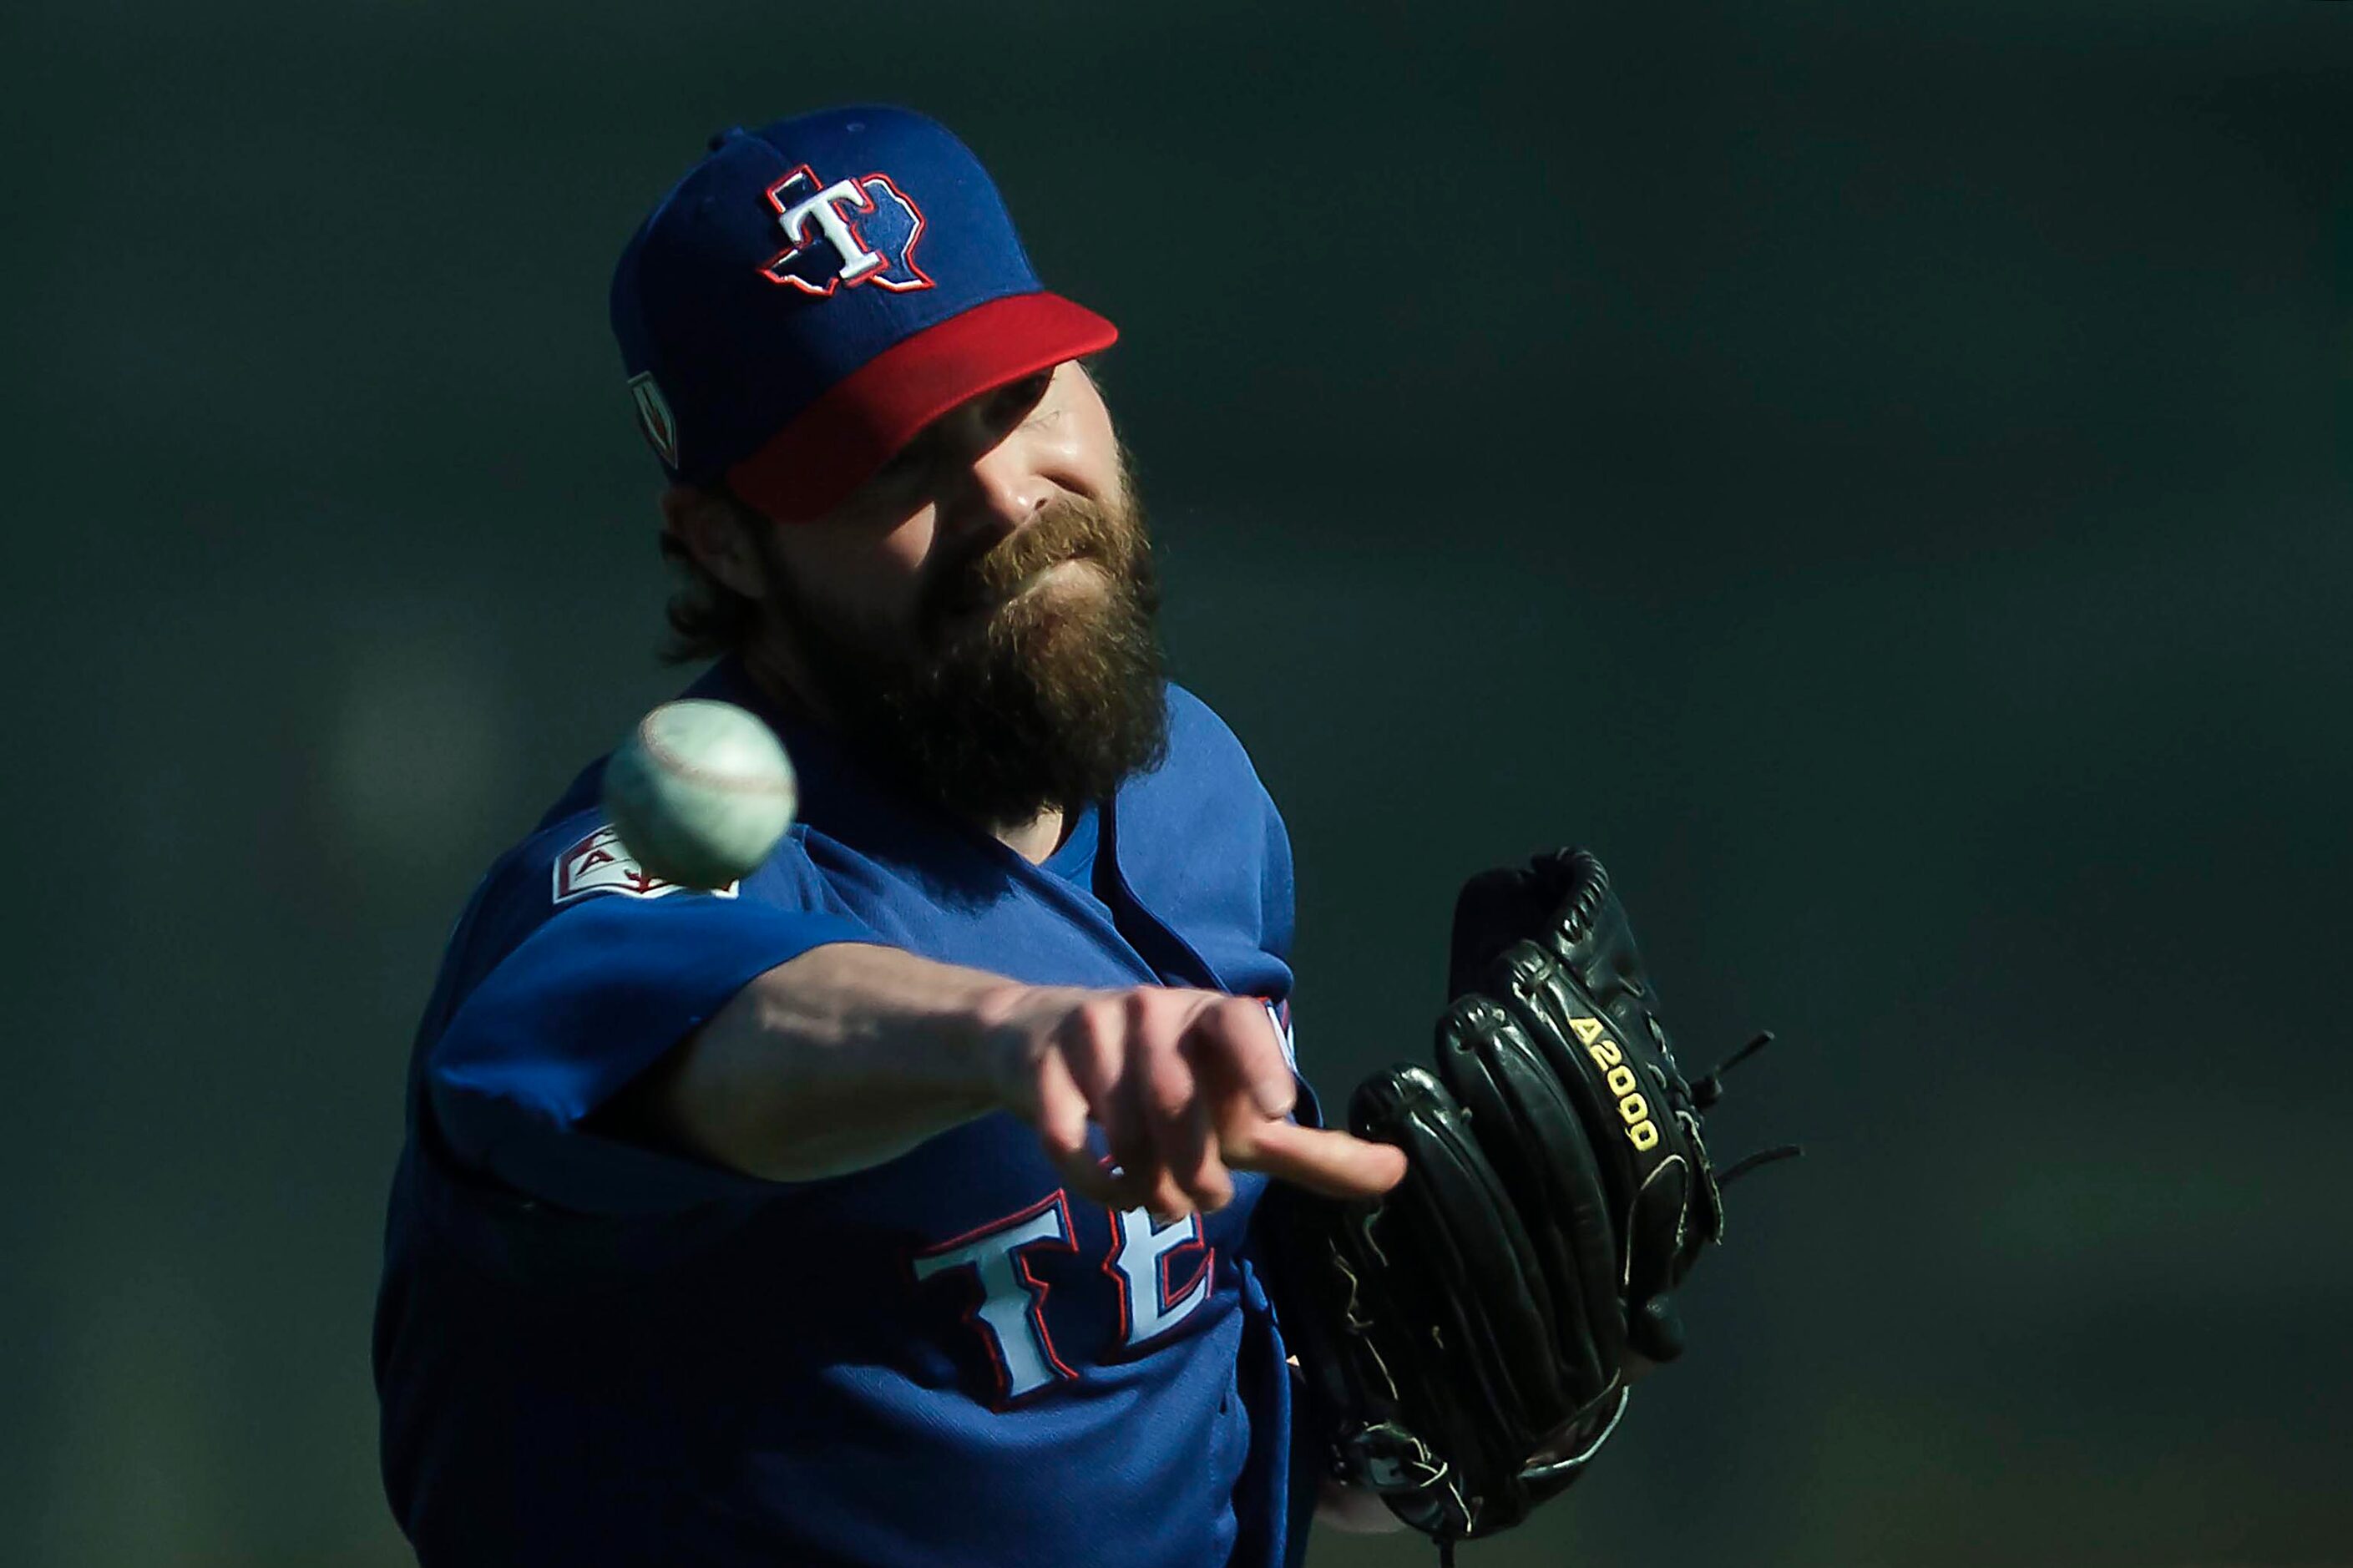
(593,1352)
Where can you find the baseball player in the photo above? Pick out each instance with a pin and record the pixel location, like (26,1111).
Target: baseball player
(894,1204)
(943,1191)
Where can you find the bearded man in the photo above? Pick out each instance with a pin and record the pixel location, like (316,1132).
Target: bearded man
(892,1205)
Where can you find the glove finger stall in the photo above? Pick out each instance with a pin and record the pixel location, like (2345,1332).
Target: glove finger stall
(1457,1255)
(1634,1108)
(1537,1142)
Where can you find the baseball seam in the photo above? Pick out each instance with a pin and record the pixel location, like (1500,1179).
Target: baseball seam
(678,766)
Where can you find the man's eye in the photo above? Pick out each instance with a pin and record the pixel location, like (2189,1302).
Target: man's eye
(904,463)
(1021,397)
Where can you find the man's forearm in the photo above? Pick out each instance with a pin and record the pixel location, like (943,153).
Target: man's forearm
(841,1058)
(852,1054)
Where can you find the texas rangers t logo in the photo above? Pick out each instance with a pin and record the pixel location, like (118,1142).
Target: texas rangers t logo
(851,231)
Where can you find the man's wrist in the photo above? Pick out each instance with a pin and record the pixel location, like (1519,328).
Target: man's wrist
(993,1053)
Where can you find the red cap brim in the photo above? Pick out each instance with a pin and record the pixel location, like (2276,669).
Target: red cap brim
(813,463)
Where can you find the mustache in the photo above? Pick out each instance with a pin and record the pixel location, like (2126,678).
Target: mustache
(1069,529)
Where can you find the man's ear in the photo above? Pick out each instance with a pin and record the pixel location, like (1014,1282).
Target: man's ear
(717,534)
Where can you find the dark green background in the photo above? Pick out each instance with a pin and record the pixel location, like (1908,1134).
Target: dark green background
(1878,473)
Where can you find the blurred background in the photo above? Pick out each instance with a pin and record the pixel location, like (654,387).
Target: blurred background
(1877,473)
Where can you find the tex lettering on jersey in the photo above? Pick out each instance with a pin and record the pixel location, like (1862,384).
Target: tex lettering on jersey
(851,231)
(1005,1274)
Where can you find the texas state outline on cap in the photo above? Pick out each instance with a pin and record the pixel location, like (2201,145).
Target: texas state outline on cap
(877,247)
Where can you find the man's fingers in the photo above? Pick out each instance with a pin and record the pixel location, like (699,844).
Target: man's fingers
(1072,1096)
(1094,1182)
(1182,1133)
(1233,1040)
(1336,1165)
(1207,1182)
(1062,1124)
(1118,1186)
(1183,1085)
(1060,1113)
(1101,1047)
(1243,1070)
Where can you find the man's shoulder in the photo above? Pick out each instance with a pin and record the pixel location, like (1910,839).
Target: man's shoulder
(1201,842)
(573,855)
(563,834)
(1206,776)
(1202,744)
(521,889)
(570,857)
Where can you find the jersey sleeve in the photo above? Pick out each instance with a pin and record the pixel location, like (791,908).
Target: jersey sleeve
(578,994)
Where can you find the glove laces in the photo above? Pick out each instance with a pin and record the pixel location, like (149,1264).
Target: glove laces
(1706,1091)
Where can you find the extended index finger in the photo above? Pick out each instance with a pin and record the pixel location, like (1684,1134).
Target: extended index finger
(1336,1165)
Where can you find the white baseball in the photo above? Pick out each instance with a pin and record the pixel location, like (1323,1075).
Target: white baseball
(699,792)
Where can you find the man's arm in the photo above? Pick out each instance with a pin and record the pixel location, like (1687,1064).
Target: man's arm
(851,1054)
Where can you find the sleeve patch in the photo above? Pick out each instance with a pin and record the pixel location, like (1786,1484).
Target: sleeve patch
(599,863)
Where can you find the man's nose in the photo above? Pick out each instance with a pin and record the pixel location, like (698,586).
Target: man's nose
(996,493)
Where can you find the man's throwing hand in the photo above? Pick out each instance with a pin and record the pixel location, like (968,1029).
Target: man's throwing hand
(1187,1087)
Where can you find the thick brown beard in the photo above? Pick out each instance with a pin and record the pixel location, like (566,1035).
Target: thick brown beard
(1055,699)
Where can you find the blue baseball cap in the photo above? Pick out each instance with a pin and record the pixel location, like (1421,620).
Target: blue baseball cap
(815,292)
